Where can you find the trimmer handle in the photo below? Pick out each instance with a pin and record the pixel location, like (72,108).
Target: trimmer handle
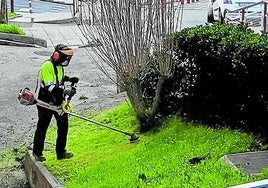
(73,92)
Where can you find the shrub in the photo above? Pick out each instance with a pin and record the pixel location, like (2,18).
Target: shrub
(220,76)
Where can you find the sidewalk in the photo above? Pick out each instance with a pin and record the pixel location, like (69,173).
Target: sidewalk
(55,28)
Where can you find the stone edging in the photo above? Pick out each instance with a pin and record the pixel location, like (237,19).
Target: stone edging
(37,175)
(20,40)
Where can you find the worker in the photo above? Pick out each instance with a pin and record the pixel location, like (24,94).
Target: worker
(52,91)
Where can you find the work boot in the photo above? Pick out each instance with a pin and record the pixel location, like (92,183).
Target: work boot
(64,155)
(40,158)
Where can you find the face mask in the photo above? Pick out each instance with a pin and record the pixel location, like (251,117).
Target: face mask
(66,62)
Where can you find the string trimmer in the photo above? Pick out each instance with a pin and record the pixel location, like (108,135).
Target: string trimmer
(26,97)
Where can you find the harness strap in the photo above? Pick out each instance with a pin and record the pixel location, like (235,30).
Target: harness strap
(56,73)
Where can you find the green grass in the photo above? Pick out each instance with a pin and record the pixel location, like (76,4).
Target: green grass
(103,158)
(11,28)
(11,14)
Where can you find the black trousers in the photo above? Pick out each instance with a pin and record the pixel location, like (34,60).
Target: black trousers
(44,119)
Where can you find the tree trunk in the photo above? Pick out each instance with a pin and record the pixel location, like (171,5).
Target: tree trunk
(3,12)
(147,115)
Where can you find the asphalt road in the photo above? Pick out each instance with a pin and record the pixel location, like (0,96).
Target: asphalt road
(38,6)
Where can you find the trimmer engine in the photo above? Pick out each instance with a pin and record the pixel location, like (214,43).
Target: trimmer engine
(26,97)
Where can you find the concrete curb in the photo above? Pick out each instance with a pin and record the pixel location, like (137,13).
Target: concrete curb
(59,2)
(19,40)
(63,21)
(250,163)
(38,176)
(256,184)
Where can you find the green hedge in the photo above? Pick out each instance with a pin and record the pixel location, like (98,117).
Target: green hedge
(221,76)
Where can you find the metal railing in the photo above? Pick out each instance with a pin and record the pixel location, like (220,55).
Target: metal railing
(250,18)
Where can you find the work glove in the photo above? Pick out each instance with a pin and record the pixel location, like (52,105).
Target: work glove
(74,80)
(70,92)
(66,78)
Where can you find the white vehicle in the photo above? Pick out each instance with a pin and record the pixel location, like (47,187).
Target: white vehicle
(217,8)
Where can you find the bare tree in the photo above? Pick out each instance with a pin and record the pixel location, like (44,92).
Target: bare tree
(3,12)
(127,34)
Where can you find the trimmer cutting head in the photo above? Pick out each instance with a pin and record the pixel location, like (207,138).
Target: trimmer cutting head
(134,138)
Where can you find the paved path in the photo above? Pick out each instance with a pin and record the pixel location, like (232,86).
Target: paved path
(54,34)
(34,24)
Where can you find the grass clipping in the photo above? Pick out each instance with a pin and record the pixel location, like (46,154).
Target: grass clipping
(104,158)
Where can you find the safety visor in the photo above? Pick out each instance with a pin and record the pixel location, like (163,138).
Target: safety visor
(68,52)
(66,61)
